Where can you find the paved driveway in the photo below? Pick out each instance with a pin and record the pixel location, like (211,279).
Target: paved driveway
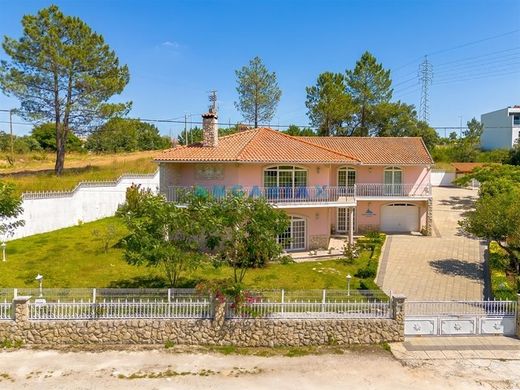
(446,266)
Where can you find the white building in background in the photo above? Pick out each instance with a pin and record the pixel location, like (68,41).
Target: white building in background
(501,128)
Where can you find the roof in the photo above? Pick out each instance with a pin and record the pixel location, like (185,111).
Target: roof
(268,145)
(258,145)
(468,167)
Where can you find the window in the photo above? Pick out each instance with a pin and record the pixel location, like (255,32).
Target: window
(393,181)
(343,219)
(294,237)
(346,177)
(285,176)
(516,119)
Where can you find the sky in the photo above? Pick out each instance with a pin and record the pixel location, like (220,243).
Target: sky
(177,51)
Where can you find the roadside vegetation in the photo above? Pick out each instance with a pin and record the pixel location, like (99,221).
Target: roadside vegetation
(496,218)
(76,257)
(38,177)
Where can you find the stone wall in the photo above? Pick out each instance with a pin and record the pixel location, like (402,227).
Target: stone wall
(215,331)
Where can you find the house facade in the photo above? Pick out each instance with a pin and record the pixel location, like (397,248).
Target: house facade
(501,128)
(327,185)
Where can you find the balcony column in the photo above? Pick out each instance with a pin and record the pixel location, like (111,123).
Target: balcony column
(351,226)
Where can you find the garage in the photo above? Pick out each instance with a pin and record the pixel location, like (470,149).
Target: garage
(400,217)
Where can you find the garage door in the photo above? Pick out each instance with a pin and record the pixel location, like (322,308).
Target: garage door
(400,217)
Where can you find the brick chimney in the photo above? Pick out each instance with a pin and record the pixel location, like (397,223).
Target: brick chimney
(210,129)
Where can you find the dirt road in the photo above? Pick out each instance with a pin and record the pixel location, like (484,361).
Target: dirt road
(165,370)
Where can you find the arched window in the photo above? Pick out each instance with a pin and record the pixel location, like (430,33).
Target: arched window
(294,236)
(346,177)
(393,175)
(285,176)
(393,181)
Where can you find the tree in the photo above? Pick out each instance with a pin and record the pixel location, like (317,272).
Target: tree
(497,218)
(328,104)
(126,135)
(514,154)
(368,84)
(243,231)
(63,72)
(473,132)
(10,209)
(195,134)
(497,211)
(258,92)
(400,120)
(160,234)
(45,134)
(299,132)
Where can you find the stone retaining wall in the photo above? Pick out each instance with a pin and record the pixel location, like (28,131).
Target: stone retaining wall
(216,331)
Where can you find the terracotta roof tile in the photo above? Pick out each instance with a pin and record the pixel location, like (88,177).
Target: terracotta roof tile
(267,145)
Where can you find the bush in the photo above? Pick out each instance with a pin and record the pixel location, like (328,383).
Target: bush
(369,271)
(494,156)
(126,135)
(502,286)
(45,135)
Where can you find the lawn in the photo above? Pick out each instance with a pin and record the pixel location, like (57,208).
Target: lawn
(74,257)
(82,167)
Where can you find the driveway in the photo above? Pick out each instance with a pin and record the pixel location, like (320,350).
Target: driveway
(446,266)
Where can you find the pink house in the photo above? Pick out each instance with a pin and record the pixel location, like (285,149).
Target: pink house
(327,185)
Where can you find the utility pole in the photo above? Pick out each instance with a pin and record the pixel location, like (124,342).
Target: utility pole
(425,79)
(11,111)
(186,128)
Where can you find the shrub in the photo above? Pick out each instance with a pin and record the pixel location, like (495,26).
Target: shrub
(369,271)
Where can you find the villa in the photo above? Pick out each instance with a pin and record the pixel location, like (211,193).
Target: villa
(327,185)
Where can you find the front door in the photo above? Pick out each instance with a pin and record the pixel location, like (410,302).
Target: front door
(343,219)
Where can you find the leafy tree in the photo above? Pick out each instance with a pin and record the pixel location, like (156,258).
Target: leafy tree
(514,154)
(63,72)
(329,106)
(126,135)
(45,135)
(161,234)
(473,132)
(258,92)
(195,134)
(301,132)
(497,218)
(22,144)
(369,85)
(243,231)
(10,209)
(400,120)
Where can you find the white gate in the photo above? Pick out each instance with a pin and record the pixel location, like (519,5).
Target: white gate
(464,318)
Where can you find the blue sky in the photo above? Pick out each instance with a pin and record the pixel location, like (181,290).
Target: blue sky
(179,50)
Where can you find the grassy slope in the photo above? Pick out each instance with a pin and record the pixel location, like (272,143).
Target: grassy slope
(108,168)
(503,283)
(72,257)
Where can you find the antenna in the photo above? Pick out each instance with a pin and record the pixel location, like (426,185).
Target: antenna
(213,101)
(425,75)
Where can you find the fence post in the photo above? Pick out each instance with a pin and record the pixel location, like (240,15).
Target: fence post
(15,293)
(169,295)
(283,300)
(323,299)
(93,295)
(397,304)
(20,311)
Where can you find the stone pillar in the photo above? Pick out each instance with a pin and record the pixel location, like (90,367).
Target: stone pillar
(209,129)
(398,312)
(219,312)
(21,308)
(429,217)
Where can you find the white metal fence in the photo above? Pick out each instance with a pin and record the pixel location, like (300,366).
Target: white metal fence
(5,310)
(483,308)
(303,310)
(124,309)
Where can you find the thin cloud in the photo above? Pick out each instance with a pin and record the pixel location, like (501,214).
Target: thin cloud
(170,44)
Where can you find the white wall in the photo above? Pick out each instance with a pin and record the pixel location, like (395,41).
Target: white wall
(442,178)
(497,130)
(89,201)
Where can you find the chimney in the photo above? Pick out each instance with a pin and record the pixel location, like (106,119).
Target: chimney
(210,129)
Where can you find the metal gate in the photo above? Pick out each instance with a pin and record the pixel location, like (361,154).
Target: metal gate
(464,318)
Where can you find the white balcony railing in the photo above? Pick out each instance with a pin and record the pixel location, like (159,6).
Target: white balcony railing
(277,195)
(396,190)
(318,194)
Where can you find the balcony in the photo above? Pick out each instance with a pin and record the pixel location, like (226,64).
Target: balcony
(318,195)
(393,190)
(321,195)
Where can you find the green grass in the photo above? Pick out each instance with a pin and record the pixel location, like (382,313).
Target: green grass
(47,181)
(503,281)
(73,257)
